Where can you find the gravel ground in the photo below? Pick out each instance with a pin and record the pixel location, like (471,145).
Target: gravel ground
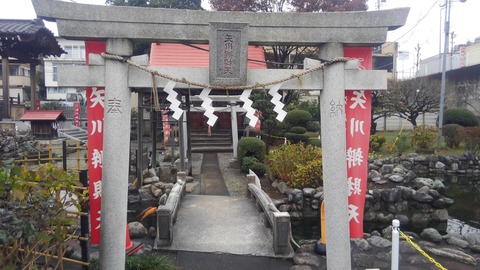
(235,180)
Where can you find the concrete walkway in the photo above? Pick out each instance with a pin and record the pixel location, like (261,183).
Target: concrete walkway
(217,231)
(221,224)
(212,182)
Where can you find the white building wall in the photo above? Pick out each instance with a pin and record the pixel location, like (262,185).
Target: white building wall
(396,123)
(469,57)
(472,55)
(75,56)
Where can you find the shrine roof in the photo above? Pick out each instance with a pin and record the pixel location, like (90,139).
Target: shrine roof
(196,56)
(27,40)
(45,115)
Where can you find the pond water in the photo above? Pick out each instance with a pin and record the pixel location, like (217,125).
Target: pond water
(464,213)
(465,191)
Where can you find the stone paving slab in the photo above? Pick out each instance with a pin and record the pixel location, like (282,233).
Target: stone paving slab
(211,261)
(211,177)
(221,224)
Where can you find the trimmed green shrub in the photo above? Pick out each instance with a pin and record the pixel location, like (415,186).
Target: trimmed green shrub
(462,117)
(313,126)
(312,107)
(52,105)
(315,142)
(402,144)
(259,168)
(376,142)
(424,136)
(247,163)
(297,165)
(297,118)
(251,147)
(454,135)
(297,138)
(472,139)
(298,130)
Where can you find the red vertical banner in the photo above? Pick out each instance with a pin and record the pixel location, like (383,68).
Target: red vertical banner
(95,108)
(166,127)
(358,120)
(258,125)
(76,114)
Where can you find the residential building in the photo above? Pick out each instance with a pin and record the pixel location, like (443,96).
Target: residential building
(74,56)
(385,58)
(19,81)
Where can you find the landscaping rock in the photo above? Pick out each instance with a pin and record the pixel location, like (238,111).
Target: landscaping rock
(363,260)
(391,195)
(452,254)
(396,178)
(386,169)
(421,196)
(475,248)
(421,182)
(454,241)
(442,202)
(473,239)
(432,235)
(309,192)
(361,244)
(378,241)
(306,259)
(440,215)
(137,230)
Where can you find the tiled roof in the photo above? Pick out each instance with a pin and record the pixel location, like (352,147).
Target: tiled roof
(180,55)
(27,40)
(47,115)
(17,27)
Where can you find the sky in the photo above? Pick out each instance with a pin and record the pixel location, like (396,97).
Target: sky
(423,28)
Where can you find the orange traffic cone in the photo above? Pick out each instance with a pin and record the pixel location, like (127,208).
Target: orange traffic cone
(131,247)
(129,243)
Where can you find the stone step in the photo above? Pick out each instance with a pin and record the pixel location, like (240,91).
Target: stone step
(75,133)
(205,149)
(218,141)
(210,140)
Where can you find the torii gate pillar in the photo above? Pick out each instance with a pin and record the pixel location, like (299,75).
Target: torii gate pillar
(116,154)
(335,167)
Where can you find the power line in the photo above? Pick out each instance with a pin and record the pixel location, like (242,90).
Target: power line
(414,26)
(418,22)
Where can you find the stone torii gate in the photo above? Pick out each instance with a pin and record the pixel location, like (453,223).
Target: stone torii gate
(121,26)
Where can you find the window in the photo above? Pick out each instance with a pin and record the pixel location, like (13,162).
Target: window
(56,90)
(14,71)
(74,52)
(55,73)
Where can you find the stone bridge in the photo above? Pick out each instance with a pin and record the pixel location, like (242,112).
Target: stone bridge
(223,224)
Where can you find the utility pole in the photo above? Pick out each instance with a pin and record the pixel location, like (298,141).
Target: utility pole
(448,6)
